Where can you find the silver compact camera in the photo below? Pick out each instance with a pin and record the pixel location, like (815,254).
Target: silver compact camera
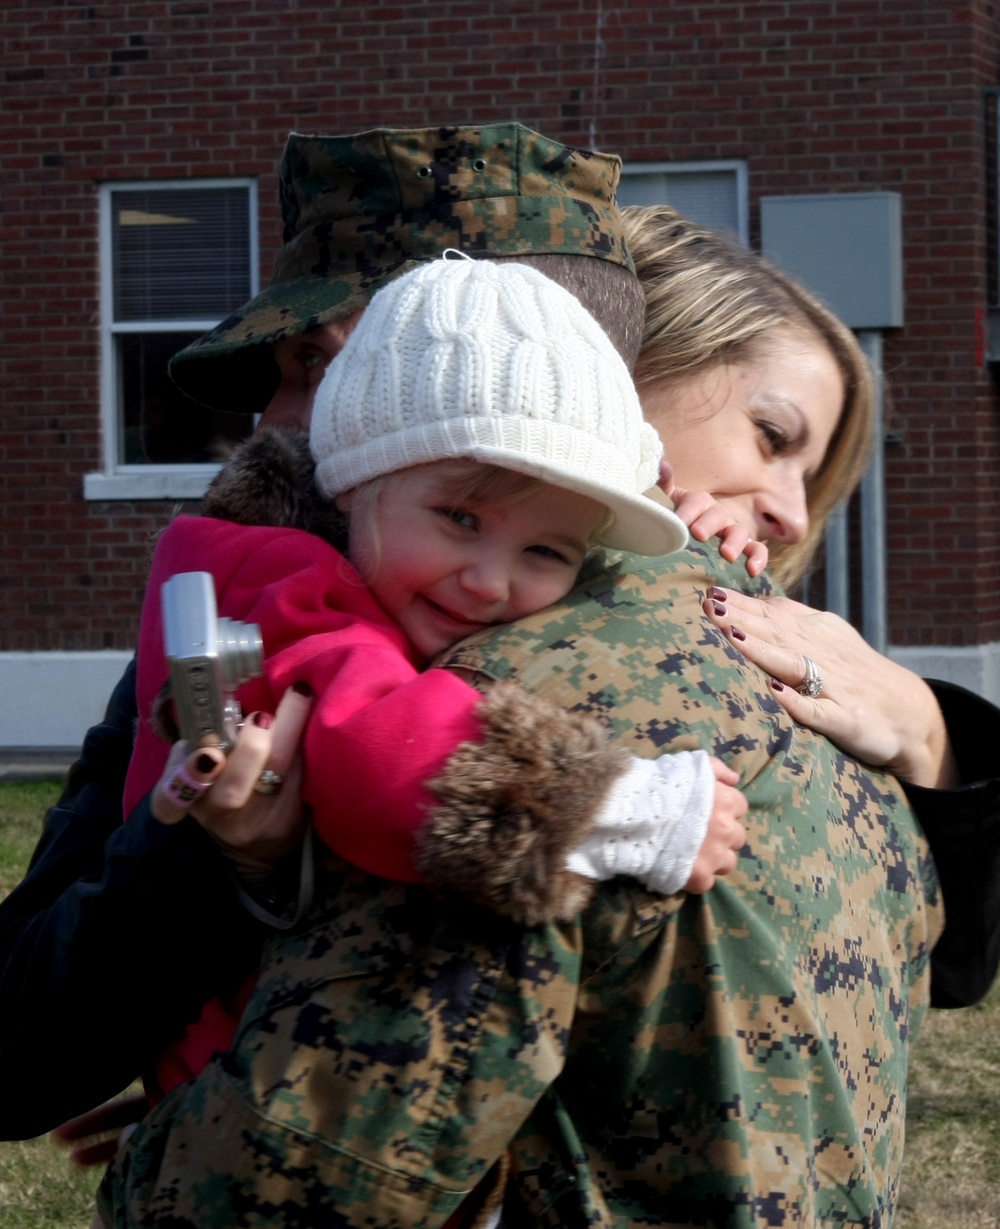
(209,658)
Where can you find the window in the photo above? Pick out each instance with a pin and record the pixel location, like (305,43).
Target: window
(176,258)
(713,193)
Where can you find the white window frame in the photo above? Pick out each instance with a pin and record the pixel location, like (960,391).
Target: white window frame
(116,480)
(734,165)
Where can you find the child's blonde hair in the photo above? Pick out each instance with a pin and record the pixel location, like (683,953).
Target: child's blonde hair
(469,482)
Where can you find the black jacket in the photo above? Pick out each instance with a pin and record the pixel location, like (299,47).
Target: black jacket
(115,939)
(963,828)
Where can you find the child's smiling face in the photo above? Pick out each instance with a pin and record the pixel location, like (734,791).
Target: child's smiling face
(445,567)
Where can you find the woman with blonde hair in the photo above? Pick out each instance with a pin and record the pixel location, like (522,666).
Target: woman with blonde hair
(724,324)
(764,400)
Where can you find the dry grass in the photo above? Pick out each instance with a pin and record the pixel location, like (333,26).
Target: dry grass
(952,1173)
(951,1178)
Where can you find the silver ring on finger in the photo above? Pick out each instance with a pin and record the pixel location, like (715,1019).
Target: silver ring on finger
(812,684)
(269,782)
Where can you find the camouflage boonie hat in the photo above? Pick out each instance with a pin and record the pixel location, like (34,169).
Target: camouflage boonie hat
(360,210)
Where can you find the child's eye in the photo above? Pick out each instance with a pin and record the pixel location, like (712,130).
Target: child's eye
(460,516)
(549,552)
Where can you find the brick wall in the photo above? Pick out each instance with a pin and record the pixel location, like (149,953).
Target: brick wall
(852,95)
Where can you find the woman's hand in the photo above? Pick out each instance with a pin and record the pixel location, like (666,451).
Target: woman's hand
(706,518)
(870,706)
(255,822)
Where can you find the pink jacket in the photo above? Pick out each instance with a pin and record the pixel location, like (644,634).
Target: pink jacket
(379,727)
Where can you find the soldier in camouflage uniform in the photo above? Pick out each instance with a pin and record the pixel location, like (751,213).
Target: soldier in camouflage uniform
(734,1059)
(360,210)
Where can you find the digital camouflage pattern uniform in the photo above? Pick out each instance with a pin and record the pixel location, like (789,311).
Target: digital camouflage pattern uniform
(732,1059)
(363,209)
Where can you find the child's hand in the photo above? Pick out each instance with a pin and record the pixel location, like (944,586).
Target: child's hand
(706,518)
(725,835)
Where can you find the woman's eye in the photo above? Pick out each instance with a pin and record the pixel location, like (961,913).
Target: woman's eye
(775,437)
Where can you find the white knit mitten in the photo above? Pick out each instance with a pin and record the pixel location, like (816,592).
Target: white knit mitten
(652,824)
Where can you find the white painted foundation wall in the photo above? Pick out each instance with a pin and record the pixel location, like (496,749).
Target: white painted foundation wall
(50,700)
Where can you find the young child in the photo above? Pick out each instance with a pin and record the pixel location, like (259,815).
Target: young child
(476,438)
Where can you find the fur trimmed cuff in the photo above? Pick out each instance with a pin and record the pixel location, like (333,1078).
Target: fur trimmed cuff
(514,804)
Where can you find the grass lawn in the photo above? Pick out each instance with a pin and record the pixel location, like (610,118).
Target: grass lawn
(951,1178)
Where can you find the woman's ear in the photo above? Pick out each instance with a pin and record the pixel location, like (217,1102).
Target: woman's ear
(344,500)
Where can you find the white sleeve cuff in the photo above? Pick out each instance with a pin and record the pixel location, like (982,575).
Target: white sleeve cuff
(652,824)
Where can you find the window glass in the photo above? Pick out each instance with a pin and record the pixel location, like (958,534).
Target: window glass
(179,259)
(712,194)
(159,424)
(180,254)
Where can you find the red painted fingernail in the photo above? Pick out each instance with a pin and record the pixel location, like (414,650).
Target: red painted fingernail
(776,686)
(737,634)
(719,609)
(262,720)
(302,688)
(720,595)
(204,763)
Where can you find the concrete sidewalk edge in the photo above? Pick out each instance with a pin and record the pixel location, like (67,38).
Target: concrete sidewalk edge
(36,763)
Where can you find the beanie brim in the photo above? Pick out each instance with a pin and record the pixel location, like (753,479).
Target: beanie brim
(640,522)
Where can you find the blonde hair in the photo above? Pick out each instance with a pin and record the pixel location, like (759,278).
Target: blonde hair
(710,301)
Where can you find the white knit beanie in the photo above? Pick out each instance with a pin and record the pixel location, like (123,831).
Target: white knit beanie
(499,364)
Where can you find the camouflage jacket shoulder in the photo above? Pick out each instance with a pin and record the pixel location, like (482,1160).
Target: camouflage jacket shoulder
(742,1060)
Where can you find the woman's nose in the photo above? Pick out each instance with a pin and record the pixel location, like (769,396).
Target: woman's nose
(782,516)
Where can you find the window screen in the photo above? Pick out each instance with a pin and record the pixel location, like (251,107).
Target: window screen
(712,195)
(181,260)
(180,254)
